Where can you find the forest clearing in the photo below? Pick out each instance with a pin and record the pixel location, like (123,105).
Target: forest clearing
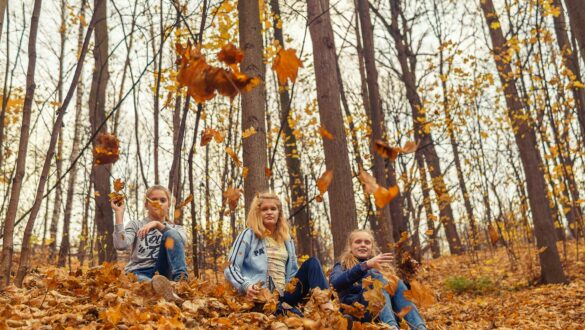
(318,164)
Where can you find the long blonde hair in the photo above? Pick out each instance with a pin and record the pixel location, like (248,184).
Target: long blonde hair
(166,191)
(254,220)
(347,259)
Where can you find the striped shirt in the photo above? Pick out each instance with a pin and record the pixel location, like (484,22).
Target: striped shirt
(277,257)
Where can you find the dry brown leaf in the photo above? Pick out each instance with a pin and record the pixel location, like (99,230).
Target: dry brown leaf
(286,64)
(233,156)
(232,195)
(383,196)
(325,133)
(419,294)
(368,181)
(249,132)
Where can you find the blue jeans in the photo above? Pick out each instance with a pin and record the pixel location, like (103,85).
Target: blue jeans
(398,302)
(310,276)
(171,261)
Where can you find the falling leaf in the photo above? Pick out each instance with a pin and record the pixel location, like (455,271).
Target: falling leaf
(186,201)
(208,134)
(325,133)
(232,195)
(373,295)
(383,196)
(368,181)
(249,132)
(230,54)
(392,284)
(106,150)
(429,232)
(267,172)
(419,294)
(286,64)
(385,150)
(542,249)
(324,181)
(118,185)
(177,214)
(233,155)
(409,147)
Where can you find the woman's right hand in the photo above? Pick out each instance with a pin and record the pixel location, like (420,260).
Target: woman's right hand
(118,206)
(379,260)
(252,291)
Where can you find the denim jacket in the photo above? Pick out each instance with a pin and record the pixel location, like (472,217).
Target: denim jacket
(348,284)
(248,262)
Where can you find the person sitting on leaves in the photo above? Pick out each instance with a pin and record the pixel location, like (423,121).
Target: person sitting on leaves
(155,243)
(264,253)
(361,259)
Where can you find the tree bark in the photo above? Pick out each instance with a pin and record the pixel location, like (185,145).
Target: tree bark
(341,197)
(59,156)
(422,132)
(97,101)
(3,6)
(254,101)
(525,136)
(292,156)
(382,225)
(65,243)
(8,236)
(576,11)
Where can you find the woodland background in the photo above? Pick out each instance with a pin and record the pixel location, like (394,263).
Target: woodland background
(490,93)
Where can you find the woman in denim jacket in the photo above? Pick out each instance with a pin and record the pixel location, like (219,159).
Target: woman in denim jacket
(361,259)
(264,255)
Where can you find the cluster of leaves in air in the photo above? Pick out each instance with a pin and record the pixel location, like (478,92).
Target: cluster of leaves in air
(204,80)
(106,150)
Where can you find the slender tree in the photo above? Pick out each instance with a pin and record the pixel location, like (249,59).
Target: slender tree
(103,217)
(341,196)
(8,234)
(525,136)
(576,11)
(292,155)
(253,102)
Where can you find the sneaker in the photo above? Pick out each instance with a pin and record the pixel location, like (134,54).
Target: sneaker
(162,286)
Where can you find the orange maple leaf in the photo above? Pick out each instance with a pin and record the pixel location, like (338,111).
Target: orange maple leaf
(324,181)
(384,196)
(230,54)
(107,149)
(286,64)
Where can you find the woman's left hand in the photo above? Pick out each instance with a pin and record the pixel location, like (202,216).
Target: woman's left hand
(148,227)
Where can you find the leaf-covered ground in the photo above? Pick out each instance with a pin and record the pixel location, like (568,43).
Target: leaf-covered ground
(482,294)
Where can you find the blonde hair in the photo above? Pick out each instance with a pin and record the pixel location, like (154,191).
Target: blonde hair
(254,220)
(166,191)
(347,259)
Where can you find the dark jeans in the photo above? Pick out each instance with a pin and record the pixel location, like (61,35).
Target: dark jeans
(171,261)
(310,276)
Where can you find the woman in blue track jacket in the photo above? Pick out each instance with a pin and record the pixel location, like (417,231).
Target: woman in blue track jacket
(264,255)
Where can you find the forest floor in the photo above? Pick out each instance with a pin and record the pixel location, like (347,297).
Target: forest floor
(483,294)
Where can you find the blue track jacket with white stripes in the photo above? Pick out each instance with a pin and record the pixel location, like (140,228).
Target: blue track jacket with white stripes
(248,262)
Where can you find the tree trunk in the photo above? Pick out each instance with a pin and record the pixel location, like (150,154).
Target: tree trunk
(97,101)
(382,225)
(525,136)
(3,6)
(576,11)
(8,236)
(292,156)
(59,156)
(23,264)
(432,231)
(254,101)
(422,131)
(65,243)
(341,197)
(571,59)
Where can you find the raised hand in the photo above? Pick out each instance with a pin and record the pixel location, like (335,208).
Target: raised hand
(379,260)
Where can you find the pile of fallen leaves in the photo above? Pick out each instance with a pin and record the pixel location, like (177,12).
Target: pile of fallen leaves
(105,297)
(514,300)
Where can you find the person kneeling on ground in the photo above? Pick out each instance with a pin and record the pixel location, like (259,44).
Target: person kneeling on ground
(155,243)
(265,253)
(359,260)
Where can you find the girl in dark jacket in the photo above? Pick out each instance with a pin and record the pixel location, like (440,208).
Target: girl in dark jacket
(362,259)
